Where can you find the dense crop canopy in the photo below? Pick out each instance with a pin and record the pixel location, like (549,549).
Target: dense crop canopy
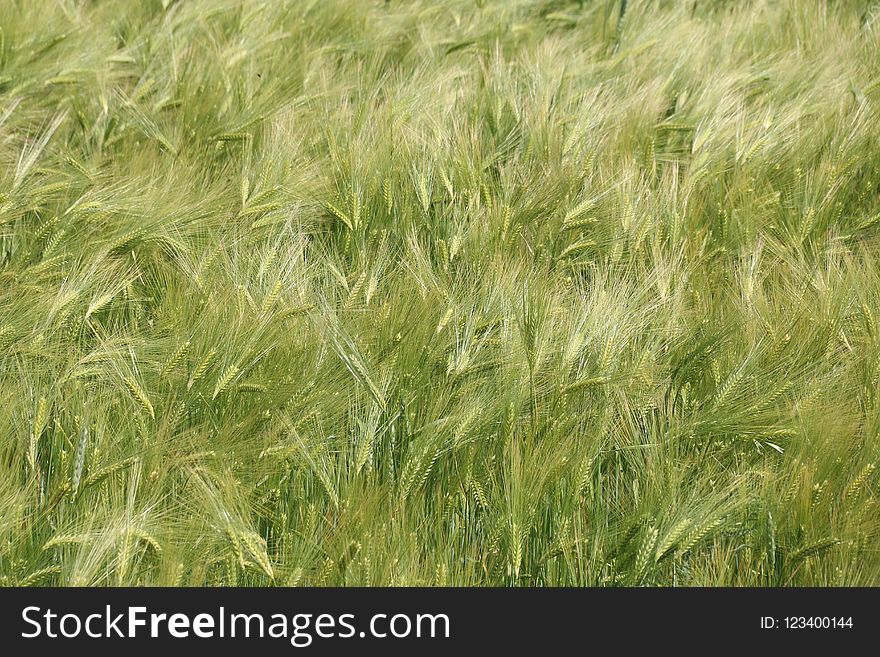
(517,292)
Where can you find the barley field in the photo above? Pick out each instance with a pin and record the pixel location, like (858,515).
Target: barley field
(508,293)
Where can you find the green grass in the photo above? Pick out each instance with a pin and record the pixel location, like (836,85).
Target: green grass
(526,292)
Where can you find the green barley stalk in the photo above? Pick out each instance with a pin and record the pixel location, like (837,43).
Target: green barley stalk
(225,379)
(139,395)
(174,359)
(202,368)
